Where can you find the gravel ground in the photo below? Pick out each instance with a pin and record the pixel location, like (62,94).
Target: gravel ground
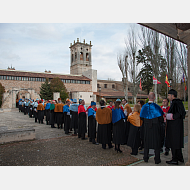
(63,151)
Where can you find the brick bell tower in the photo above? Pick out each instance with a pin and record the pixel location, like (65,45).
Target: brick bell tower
(80,57)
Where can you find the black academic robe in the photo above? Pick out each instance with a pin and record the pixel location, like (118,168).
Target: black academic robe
(134,137)
(35,113)
(59,118)
(153,132)
(30,111)
(175,128)
(47,111)
(40,114)
(67,122)
(52,117)
(92,127)
(74,120)
(119,132)
(82,123)
(104,135)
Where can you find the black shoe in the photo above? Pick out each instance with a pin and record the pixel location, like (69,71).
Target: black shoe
(111,146)
(104,147)
(181,160)
(53,127)
(158,162)
(140,148)
(145,160)
(95,143)
(90,140)
(172,162)
(120,151)
(161,150)
(166,153)
(83,138)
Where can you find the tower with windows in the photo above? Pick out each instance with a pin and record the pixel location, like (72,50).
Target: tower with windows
(80,57)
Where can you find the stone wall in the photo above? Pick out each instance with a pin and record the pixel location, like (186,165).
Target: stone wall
(9,84)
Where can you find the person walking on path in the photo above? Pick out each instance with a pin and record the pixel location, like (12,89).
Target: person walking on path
(175,128)
(152,116)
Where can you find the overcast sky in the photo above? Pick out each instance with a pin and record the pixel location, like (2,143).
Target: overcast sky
(28,45)
(36,47)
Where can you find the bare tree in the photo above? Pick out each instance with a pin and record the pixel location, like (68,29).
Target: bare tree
(152,39)
(123,66)
(131,51)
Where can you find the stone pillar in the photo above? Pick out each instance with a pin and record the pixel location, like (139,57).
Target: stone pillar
(56,95)
(188,62)
(14,99)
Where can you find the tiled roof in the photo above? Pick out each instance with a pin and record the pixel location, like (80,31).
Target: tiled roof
(42,75)
(118,94)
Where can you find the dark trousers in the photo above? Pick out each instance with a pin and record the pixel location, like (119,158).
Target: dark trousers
(157,155)
(177,154)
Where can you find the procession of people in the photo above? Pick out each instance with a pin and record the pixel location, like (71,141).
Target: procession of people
(148,126)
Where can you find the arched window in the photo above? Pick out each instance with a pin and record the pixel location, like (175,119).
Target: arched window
(81,56)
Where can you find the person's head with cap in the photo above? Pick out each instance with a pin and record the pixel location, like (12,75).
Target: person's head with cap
(74,100)
(68,102)
(117,104)
(172,94)
(59,100)
(93,105)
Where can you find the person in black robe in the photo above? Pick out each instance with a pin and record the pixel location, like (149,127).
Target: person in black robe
(52,114)
(152,116)
(31,108)
(67,119)
(175,128)
(47,112)
(74,116)
(119,126)
(82,129)
(92,123)
(104,119)
(134,132)
(40,111)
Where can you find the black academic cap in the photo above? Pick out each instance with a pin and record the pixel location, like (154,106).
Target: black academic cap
(174,92)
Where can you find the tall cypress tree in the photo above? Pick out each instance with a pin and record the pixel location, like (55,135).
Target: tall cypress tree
(45,90)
